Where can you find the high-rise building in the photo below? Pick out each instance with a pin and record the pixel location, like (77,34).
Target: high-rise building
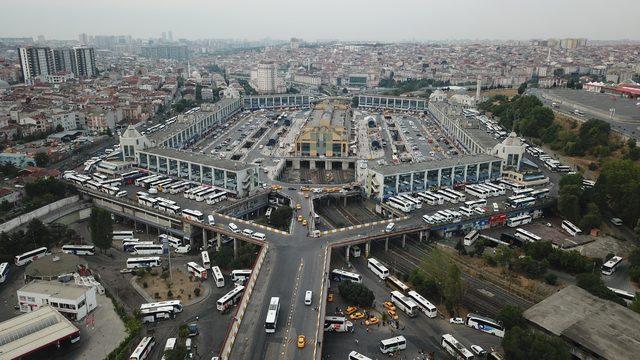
(85,61)
(178,52)
(35,61)
(170,33)
(266,77)
(83,39)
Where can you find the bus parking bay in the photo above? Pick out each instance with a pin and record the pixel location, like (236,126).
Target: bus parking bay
(423,334)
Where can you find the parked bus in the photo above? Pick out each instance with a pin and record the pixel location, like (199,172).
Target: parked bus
(518,220)
(455,348)
(485,324)
(79,249)
(4,272)
(187,193)
(129,244)
(30,256)
(147,183)
(461,197)
(521,202)
(417,204)
(193,215)
(498,189)
(400,204)
(143,262)
(539,194)
(393,344)
(569,227)
(147,249)
(525,191)
(376,266)
(169,345)
(171,240)
(196,270)
(175,304)
(423,304)
(169,208)
(337,324)
(206,263)
(471,237)
(627,296)
(178,187)
(156,314)
(130,177)
(240,275)
(475,203)
(143,349)
(524,235)
(217,276)
(217,197)
(139,181)
(161,185)
(395,283)
(428,198)
(230,298)
(354,355)
(609,267)
(447,196)
(404,303)
(341,275)
(477,191)
(147,201)
(272,315)
(202,195)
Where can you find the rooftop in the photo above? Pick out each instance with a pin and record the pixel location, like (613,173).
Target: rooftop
(435,164)
(55,288)
(199,158)
(54,265)
(605,328)
(29,332)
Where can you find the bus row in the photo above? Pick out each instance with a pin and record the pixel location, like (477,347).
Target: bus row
(407,203)
(485,190)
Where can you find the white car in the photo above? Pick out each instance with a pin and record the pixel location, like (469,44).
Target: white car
(456,320)
(183,249)
(478,350)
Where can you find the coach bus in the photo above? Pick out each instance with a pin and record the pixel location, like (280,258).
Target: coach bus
(404,303)
(471,237)
(525,191)
(354,355)
(485,324)
(400,204)
(609,267)
(147,249)
(155,314)
(475,203)
(447,196)
(122,234)
(272,315)
(147,201)
(79,249)
(206,263)
(196,270)
(217,276)
(417,204)
(240,275)
(216,198)
(175,304)
(30,256)
(143,349)
(143,262)
(423,304)
(477,191)
(4,272)
(169,208)
(540,193)
(393,344)
(518,220)
(171,240)
(521,202)
(193,215)
(178,187)
(461,197)
(200,196)
(230,298)
(455,348)
(129,244)
(341,275)
(337,324)
(569,227)
(376,266)
(627,296)
(395,283)
(524,235)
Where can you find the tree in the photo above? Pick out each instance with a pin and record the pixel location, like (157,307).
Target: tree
(101,226)
(592,219)
(569,207)
(522,88)
(37,234)
(41,159)
(592,282)
(511,316)
(281,217)
(178,353)
(453,289)
(357,294)
(521,344)
(198,92)
(635,305)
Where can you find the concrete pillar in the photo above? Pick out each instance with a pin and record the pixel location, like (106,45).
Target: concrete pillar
(386,244)
(235,248)
(327,165)
(345,165)
(367,248)
(345,201)
(346,254)
(421,234)
(147,228)
(205,242)
(312,164)
(218,242)
(404,240)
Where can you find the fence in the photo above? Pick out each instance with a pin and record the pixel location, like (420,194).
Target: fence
(237,319)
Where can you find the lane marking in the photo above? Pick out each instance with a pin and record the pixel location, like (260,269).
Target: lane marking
(292,309)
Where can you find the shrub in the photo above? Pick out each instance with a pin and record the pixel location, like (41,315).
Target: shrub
(145,285)
(169,294)
(196,291)
(551,279)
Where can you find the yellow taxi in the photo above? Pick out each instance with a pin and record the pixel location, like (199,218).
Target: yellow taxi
(392,314)
(301,341)
(351,309)
(372,321)
(300,218)
(389,305)
(304,222)
(298,206)
(330,297)
(356,316)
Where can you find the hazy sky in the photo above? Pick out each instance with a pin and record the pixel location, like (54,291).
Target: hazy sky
(324,19)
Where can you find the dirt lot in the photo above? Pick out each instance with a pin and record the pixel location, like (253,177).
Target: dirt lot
(182,286)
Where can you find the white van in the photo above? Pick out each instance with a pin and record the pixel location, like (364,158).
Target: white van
(233,227)
(390,227)
(187,344)
(183,249)
(258,236)
(212,221)
(247,232)
(308,297)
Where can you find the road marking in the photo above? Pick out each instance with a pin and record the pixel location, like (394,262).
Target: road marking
(292,309)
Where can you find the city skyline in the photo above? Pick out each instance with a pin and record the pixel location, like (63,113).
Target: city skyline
(407,20)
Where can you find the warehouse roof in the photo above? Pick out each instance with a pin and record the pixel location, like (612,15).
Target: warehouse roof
(434,164)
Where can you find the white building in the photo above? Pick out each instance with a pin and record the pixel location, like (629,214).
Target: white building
(266,78)
(65,119)
(73,301)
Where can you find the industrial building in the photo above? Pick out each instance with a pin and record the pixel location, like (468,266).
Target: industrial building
(326,136)
(72,300)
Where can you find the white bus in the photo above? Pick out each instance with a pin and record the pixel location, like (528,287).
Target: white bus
(423,304)
(180,186)
(477,191)
(143,262)
(376,266)
(518,220)
(147,182)
(230,298)
(400,204)
(166,201)
(354,251)
(147,249)
(485,324)
(4,272)
(447,196)
(193,215)
(393,344)
(337,324)
(217,276)
(611,265)
(498,189)
(111,190)
(524,235)
(155,314)
(428,198)
(216,198)
(147,201)
(206,263)
(30,256)
(169,345)
(79,249)
(196,270)
(354,355)
(540,193)
(627,296)
(143,349)
(521,202)
(200,196)
(169,208)
(454,348)
(569,227)
(395,283)
(475,203)
(138,181)
(160,184)
(171,240)
(417,204)
(341,275)
(188,193)
(128,245)
(272,315)
(461,197)
(175,304)
(466,211)
(471,237)
(404,303)
(525,191)
(240,275)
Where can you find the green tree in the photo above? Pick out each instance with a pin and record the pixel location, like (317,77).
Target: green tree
(59,128)
(101,226)
(511,316)
(37,234)
(281,217)
(635,305)
(41,159)
(592,282)
(453,289)
(569,206)
(592,219)
(356,294)
(198,92)
(618,189)
(521,344)
(178,353)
